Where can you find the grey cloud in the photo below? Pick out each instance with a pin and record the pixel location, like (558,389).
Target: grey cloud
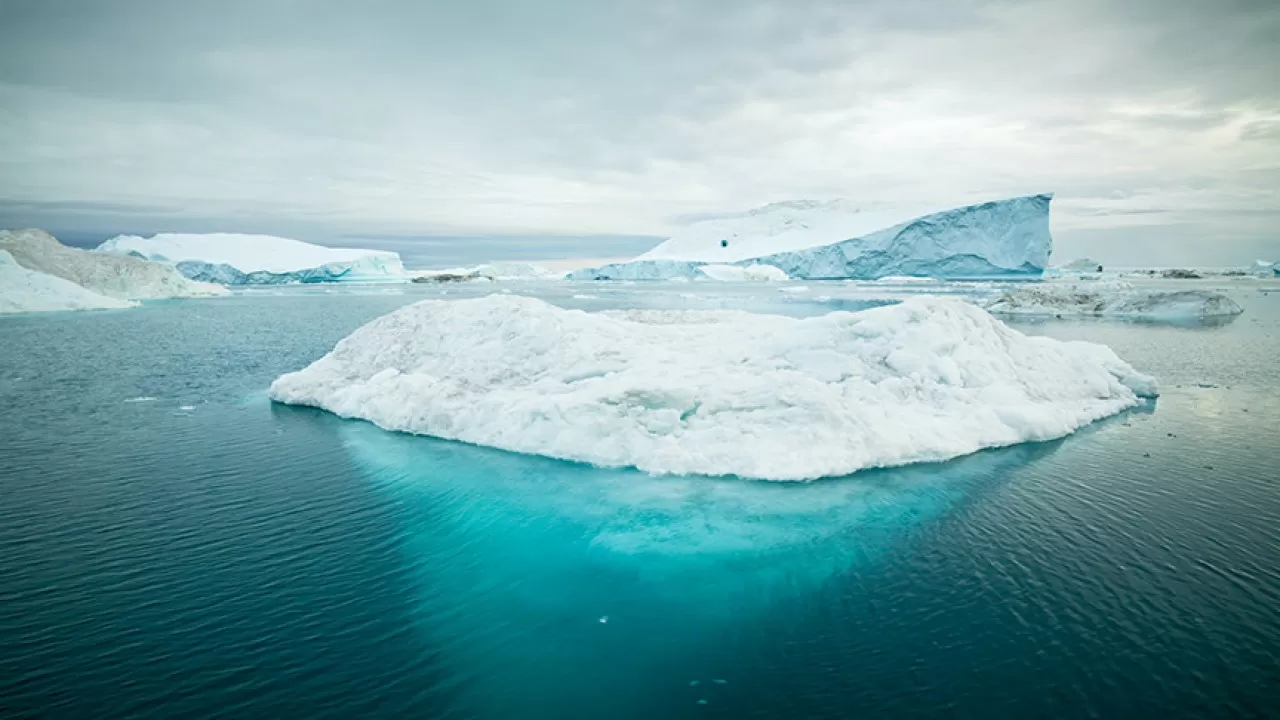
(567,117)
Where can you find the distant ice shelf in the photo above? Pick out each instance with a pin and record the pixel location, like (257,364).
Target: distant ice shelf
(716,392)
(235,259)
(1113,299)
(836,240)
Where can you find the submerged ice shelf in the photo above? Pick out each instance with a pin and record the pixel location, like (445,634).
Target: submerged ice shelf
(716,392)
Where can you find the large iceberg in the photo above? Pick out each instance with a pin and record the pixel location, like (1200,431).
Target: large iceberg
(23,290)
(234,259)
(123,278)
(1114,299)
(716,392)
(835,240)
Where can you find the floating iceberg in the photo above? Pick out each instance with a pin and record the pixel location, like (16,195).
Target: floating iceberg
(1082,265)
(23,290)
(487,271)
(834,240)
(123,278)
(716,392)
(233,259)
(743,273)
(1113,299)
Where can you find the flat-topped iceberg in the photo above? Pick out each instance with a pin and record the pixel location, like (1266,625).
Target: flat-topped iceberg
(835,240)
(23,290)
(234,259)
(1113,299)
(123,278)
(716,392)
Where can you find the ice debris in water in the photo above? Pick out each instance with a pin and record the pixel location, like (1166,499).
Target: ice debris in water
(1113,299)
(716,392)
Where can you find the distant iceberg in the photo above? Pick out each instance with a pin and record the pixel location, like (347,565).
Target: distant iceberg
(23,290)
(1115,300)
(716,392)
(835,240)
(233,259)
(1082,265)
(123,278)
(743,273)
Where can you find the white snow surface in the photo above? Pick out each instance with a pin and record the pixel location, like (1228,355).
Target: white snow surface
(252,253)
(1113,299)
(747,273)
(778,227)
(716,392)
(124,278)
(23,290)
(834,240)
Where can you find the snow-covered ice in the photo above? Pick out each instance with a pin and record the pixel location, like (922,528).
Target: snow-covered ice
(1113,299)
(235,259)
(716,392)
(123,278)
(1081,266)
(23,290)
(745,273)
(814,240)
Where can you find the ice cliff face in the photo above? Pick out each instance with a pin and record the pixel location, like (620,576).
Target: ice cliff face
(23,290)
(814,241)
(716,392)
(125,278)
(234,259)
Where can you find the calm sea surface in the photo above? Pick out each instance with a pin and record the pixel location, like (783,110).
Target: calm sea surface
(173,544)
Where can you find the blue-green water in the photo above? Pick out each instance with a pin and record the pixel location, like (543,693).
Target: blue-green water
(171,544)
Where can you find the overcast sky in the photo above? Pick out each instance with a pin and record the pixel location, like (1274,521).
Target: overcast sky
(1156,122)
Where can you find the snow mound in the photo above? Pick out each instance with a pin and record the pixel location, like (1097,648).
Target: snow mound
(1117,299)
(123,278)
(23,290)
(234,259)
(748,273)
(716,392)
(822,241)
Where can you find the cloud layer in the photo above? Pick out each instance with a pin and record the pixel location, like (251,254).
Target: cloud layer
(1157,123)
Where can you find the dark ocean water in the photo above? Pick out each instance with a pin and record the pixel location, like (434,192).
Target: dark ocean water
(172,544)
